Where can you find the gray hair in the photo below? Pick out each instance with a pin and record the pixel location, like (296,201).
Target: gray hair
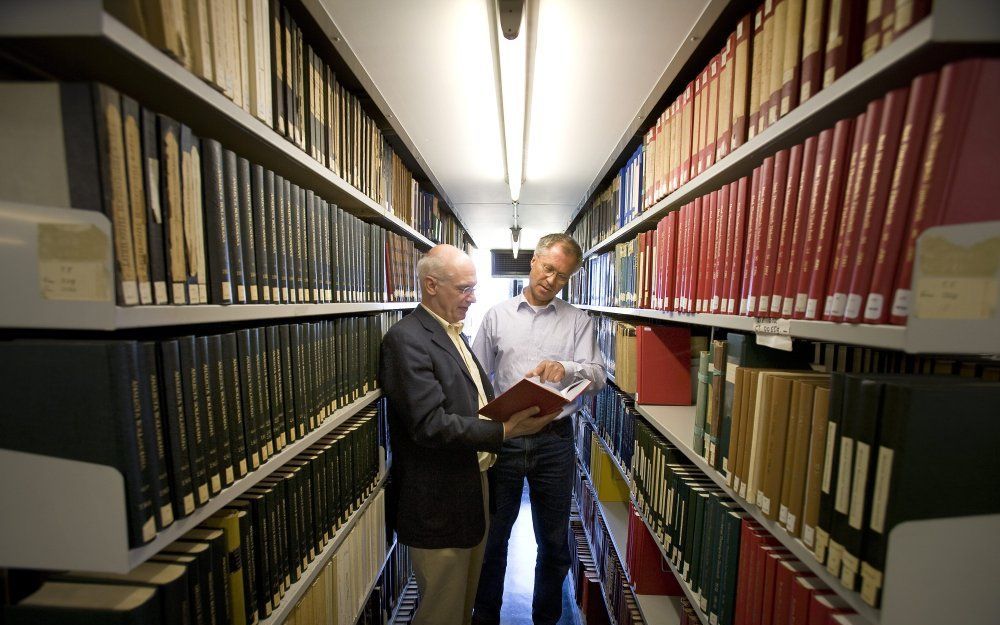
(567,242)
(430,265)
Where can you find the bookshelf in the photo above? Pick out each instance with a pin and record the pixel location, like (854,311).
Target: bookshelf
(94,537)
(957,543)
(952,29)
(81,41)
(299,588)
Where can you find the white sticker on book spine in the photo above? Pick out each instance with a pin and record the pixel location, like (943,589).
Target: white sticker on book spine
(880,499)
(874,306)
(861,453)
(831,437)
(842,500)
(853,307)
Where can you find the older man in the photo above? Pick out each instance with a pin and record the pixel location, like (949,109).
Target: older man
(537,334)
(438,493)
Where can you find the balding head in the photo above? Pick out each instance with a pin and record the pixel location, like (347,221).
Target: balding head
(445,273)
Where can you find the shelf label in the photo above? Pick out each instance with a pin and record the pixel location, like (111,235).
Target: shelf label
(74,262)
(955,280)
(773,333)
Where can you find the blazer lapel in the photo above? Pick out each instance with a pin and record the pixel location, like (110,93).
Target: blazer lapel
(440,338)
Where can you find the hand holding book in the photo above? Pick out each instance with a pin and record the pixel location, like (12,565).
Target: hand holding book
(529,393)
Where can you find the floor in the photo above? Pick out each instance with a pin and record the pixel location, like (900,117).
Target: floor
(520,577)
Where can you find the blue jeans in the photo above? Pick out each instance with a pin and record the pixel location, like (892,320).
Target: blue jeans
(546,460)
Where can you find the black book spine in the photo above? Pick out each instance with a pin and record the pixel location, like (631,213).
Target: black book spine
(154,214)
(155,439)
(222,409)
(342,347)
(248,558)
(248,227)
(337,482)
(258,512)
(206,401)
(176,429)
(329,395)
(337,253)
(231,196)
(831,468)
(277,394)
(220,283)
(275,33)
(195,423)
(265,434)
(140,494)
(296,524)
(248,392)
(280,240)
(298,376)
(271,227)
(289,193)
(287,386)
(221,572)
(260,233)
(273,565)
(301,247)
(324,246)
(312,218)
(234,404)
(294,230)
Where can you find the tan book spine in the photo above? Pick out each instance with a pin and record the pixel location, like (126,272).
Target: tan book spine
(764,87)
(739,376)
(687,133)
(115,180)
(750,436)
(757,53)
(772,443)
(170,159)
(136,197)
(242,50)
(777,74)
(662,147)
(199,29)
(697,124)
(817,455)
(789,96)
(712,116)
(741,82)
(813,33)
(873,29)
(725,114)
(676,133)
(797,463)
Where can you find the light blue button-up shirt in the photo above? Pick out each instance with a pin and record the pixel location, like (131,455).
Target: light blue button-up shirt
(514,338)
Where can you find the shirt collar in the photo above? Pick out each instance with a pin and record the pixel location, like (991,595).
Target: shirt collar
(521,300)
(457,327)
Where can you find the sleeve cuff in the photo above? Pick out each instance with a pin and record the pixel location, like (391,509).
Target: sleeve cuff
(572,368)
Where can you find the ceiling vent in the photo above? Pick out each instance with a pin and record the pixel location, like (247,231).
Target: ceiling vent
(506,266)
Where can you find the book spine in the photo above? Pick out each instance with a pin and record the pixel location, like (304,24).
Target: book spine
(803,275)
(210,418)
(234,402)
(813,37)
(132,135)
(777,67)
(217,231)
(222,408)
(792,60)
(172,205)
(195,419)
(775,224)
(156,436)
(176,429)
(153,211)
(261,235)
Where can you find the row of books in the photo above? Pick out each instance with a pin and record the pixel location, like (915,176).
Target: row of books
(387,595)
(648,572)
(619,597)
(236,568)
(182,418)
(409,602)
(589,597)
(778,56)
(192,222)
(611,414)
(256,53)
(828,228)
(340,594)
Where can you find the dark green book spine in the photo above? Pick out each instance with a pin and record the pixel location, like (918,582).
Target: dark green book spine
(210,423)
(196,424)
(234,403)
(157,449)
(290,269)
(265,433)
(280,239)
(247,229)
(262,225)
(176,430)
(272,228)
(217,226)
(231,198)
(222,409)
(248,391)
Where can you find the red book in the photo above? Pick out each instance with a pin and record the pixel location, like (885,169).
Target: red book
(848,246)
(669,260)
(741,82)
(823,607)
(775,224)
(649,575)
(752,236)
(722,215)
(727,252)
(771,564)
(876,199)
(527,393)
(824,304)
(708,229)
(845,28)
(752,538)
(788,215)
(763,231)
(787,573)
(824,148)
(694,252)
(830,215)
(904,176)
(803,590)
(680,275)
(958,180)
(738,247)
(757,594)
(797,251)
(725,125)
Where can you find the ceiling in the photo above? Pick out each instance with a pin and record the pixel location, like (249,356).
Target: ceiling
(595,64)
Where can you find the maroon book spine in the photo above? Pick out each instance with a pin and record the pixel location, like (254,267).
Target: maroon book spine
(775,224)
(823,150)
(786,236)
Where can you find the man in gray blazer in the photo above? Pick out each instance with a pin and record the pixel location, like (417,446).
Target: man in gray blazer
(438,491)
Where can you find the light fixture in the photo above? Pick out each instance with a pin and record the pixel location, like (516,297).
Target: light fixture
(515,235)
(510,47)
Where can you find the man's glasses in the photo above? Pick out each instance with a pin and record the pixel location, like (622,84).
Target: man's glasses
(464,291)
(550,271)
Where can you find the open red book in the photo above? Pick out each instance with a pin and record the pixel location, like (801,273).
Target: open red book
(528,393)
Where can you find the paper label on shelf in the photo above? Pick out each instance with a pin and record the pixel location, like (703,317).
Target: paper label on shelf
(954,298)
(854,519)
(880,498)
(73,262)
(775,341)
(763,325)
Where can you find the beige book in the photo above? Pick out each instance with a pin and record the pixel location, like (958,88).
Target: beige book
(687,134)
(136,196)
(199,28)
(741,82)
(756,72)
(218,16)
(712,115)
(244,53)
(724,116)
(812,49)
(697,137)
(766,57)
(738,375)
(777,65)
(747,418)
(788,94)
(817,457)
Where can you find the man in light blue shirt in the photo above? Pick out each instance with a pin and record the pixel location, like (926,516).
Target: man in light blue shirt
(537,334)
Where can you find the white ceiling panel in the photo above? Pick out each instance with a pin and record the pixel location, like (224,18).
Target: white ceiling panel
(595,64)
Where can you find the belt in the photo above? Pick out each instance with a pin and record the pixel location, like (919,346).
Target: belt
(557,426)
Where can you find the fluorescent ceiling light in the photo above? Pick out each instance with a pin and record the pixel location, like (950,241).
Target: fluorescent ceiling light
(513,69)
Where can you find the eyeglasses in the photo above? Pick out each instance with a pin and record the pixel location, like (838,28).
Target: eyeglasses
(464,291)
(550,271)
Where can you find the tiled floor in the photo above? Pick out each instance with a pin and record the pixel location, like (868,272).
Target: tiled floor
(520,577)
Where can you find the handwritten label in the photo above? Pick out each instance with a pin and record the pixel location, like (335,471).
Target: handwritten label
(771,326)
(74,263)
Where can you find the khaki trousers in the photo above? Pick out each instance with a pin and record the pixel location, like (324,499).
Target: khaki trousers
(448,578)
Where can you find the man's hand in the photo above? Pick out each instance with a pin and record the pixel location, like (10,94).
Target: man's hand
(548,371)
(525,422)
